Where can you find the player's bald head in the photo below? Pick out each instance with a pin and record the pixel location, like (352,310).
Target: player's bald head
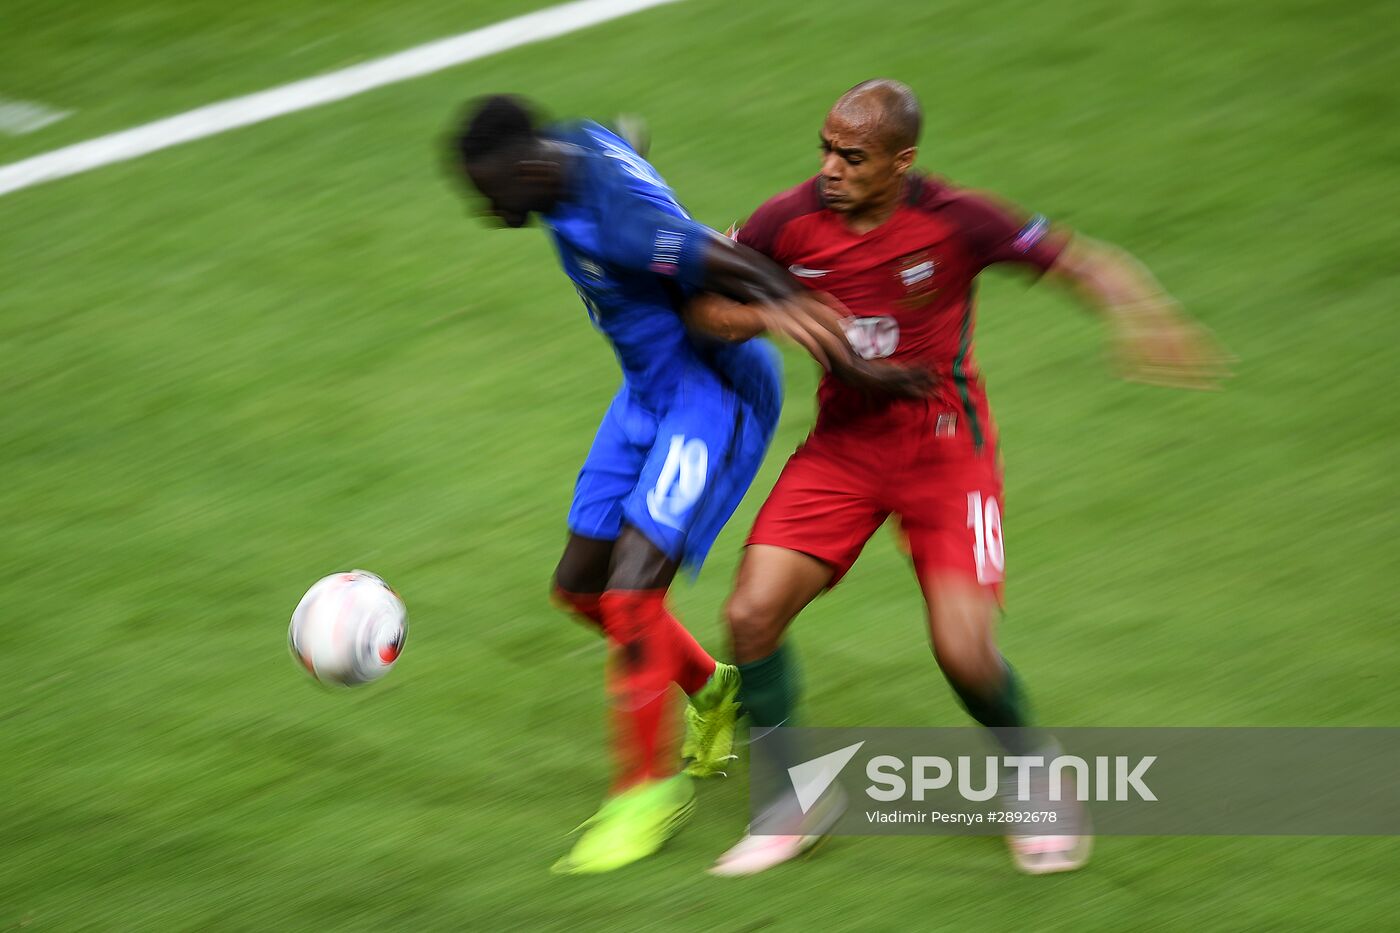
(887,111)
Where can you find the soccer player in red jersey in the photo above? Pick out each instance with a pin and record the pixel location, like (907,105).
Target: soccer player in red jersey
(900,251)
(677,446)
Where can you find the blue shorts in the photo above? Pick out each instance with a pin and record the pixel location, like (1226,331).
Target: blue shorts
(677,474)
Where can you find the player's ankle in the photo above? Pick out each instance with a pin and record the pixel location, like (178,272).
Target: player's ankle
(769,688)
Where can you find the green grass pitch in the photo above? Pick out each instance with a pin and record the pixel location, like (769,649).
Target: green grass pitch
(232,367)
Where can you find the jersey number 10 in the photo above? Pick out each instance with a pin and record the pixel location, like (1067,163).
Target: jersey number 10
(681,482)
(987,547)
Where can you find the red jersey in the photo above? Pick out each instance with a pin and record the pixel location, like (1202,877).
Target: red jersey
(908,284)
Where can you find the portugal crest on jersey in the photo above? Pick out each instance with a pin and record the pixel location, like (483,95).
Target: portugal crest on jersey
(916,275)
(873,338)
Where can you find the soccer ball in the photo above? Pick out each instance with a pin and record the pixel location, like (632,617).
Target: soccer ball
(349,628)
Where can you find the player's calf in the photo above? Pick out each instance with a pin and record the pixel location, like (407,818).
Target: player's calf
(962,619)
(635,621)
(962,630)
(774,585)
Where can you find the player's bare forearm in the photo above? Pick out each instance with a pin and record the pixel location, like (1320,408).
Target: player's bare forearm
(765,299)
(815,327)
(1107,279)
(751,294)
(799,318)
(745,275)
(1155,341)
(720,317)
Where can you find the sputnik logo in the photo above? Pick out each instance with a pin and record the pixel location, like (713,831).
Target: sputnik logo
(812,778)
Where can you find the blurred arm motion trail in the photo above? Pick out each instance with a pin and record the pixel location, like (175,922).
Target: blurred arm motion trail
(1155,342)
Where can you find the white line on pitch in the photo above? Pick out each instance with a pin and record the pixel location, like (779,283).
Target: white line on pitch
(18,117)
(313,92)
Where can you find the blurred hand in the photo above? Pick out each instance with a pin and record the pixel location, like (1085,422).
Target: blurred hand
(809,324)
(814,321)
(890,379)
(1156,343)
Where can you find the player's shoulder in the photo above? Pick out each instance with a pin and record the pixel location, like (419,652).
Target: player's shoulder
(932,194)
(996,229)
(605,154)
(614,178)
(586,134)
(763,226)
(801,199)
(964,207)
(785,206)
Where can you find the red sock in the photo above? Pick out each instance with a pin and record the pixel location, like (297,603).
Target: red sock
(647,664)
(581,605)
(643,751)
(637,759)
(694,666)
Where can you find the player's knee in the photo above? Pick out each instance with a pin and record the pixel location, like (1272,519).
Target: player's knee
(561,584)
(583,567)
(969,661)
(966,651)
(572,577)
(575,595)
(564,579)
(962,625)
(560,595)
(755,625)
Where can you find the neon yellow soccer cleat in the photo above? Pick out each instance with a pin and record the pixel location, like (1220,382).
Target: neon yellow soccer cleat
(630,826)
(709,723)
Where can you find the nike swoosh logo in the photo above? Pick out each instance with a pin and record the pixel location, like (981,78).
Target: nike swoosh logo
(754,738)
(802,272)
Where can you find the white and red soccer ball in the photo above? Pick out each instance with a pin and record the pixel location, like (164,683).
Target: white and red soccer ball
(349,628)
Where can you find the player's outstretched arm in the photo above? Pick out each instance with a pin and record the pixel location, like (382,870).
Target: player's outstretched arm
(812,325)
(803,320)
(743,274)
(640,237)
(1153,339)
(728,320)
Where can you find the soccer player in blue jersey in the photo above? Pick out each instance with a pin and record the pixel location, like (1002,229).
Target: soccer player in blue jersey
(678,446)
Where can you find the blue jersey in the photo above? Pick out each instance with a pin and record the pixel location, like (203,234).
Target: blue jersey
(635,256)
(684,436)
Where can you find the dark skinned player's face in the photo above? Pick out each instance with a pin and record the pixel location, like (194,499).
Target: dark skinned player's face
(859,170)
(511,192)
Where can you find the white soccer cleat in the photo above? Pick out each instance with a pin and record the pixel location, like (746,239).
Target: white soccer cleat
(758,852)
(753,854)
(1050,853)
(1045,855)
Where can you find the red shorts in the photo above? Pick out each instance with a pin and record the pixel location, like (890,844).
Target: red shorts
(840,486)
